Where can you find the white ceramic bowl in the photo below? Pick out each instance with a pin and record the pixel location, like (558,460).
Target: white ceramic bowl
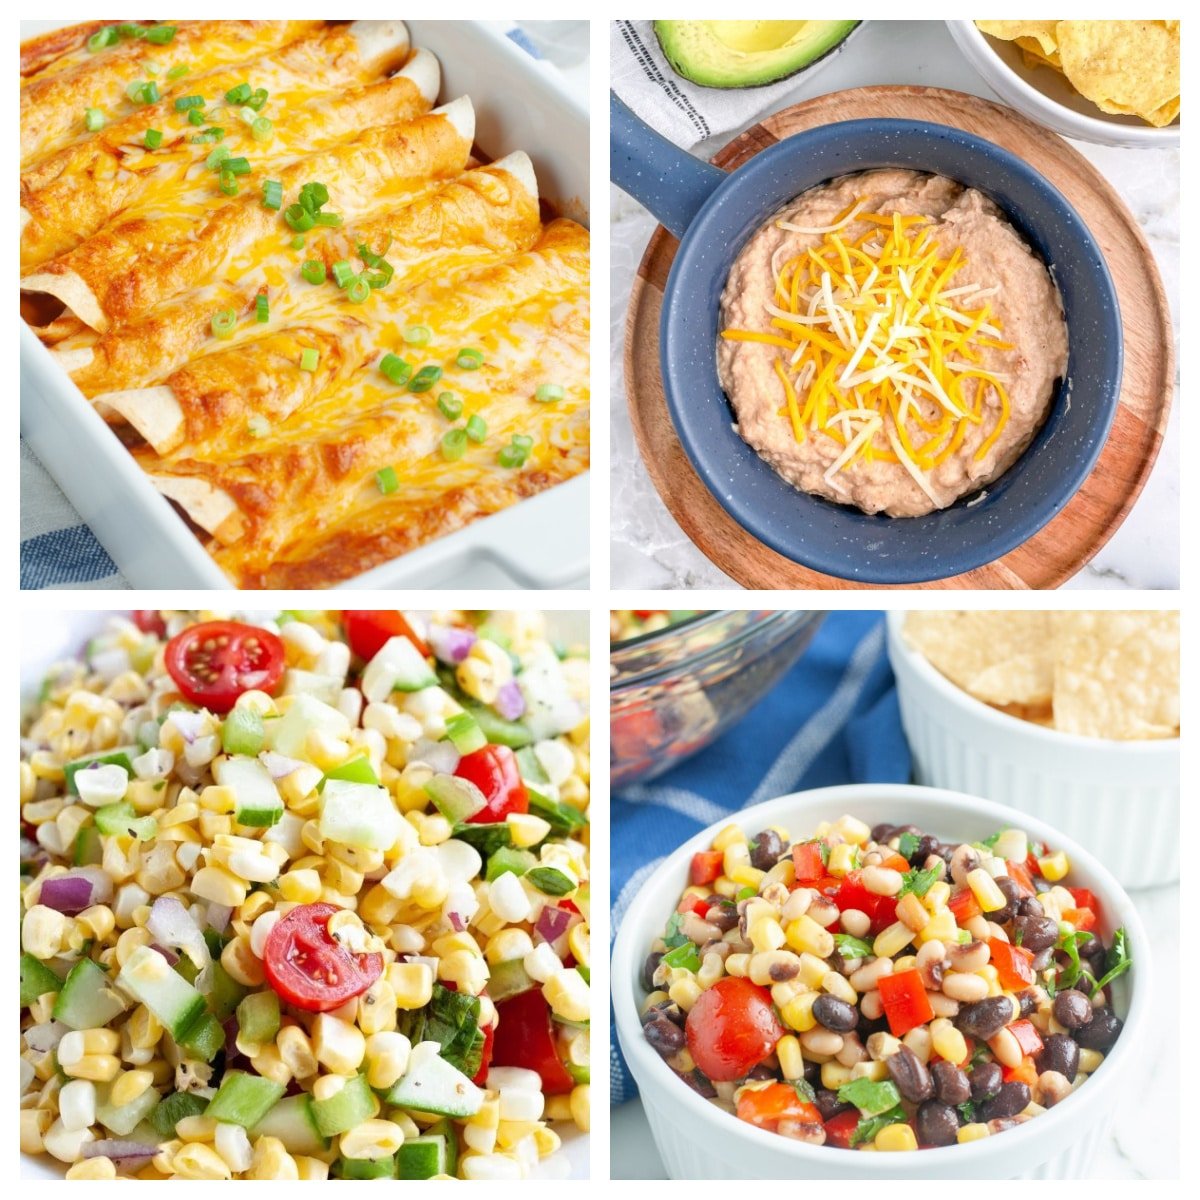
(1044,96)
(698,1140)
(1119,799)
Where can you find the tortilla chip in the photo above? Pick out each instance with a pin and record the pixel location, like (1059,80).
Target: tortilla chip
(1043,32)
(1034,56)
(1116,674)
(1129,67)
(1000,658)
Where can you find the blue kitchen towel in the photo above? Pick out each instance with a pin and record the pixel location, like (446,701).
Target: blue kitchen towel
(832,719)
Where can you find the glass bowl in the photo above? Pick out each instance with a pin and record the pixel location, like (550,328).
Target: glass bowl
(673,691)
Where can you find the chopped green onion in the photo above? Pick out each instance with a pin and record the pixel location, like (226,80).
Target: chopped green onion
(129,29)
(470,359)
(395,369)
(454,444)
(258,427)
(476,428)
(153,139)
(262,309)
(94,119)
(417,335)
(227,182)
(178,72)
(238,95)
(299,219)
(102,39)
(257,99)
(247,116)
(342,272)
(425,378)
(272,194)
(378,279)
(450,406)
(547,393)
(224,321)
(309,359)
(239,165)
(183,103)
(216,157)
(358,290)
(160,35)
(262,130)
(522,441)
(386,481)
(196,116)
(152,68)
(369,256)
(510,457)
(298,242)
(313,196)
(143,92)
(313,270)
(329,220)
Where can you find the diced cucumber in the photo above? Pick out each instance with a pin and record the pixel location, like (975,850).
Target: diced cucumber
(359,814)
(258,1017)
(463,731)
(258,800)
(456,799)
(242,732)
(36,980)
(495,728)
(289,735)
(353,1105)
(88,850)
(581,1073)
(530,769)
(367,1168)
(173,1108)
(509,979)
(122,820)
(326,688)
(147,977)
(243,1099)
(224,992)
(87,999)
(433,1085)
(446,1129)
(398,667)
(205,1039)
(122,1120)
(357,770)
(509,858)
(423,1157)
(122,756)
(293,1122)
(565,819)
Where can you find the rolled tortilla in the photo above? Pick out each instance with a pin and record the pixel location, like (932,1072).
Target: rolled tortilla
(209,507)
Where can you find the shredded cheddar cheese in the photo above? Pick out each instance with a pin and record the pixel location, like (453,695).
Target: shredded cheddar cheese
(880,352)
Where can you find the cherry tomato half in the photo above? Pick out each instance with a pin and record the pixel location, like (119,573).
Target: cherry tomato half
(493,770)
(524,1037)
(214,663)
(732,1028)
(149,620)
(367,631)
(307,968)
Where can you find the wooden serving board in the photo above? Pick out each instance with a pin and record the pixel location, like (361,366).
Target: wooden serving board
(1061,548)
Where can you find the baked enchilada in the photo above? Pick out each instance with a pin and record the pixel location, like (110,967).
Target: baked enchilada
(323,324)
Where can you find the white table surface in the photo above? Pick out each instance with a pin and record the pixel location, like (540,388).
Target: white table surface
(1144,1143)
(649,550)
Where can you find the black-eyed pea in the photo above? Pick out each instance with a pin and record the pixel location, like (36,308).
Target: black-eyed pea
(867,977)
(870,1005)
(964,987)
(920,1042)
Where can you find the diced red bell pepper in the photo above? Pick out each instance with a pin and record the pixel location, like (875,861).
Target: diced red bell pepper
(897,862)
(905,1002)
(766,1107)
(1014,964)
(1021,877)
(485,1057)
(706,867)
(839,1129)
(852,894)
(1082,918)
(806,857)
(1086,898)
(570,906)
(525,1037)
(1027,1038)
(964,906)
(693,903)
(1026,1072)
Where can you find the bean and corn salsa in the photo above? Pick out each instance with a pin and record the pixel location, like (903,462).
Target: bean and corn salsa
(626,623)
(305,896)
(879,989)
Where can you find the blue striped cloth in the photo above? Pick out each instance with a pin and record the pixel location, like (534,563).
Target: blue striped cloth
(833,719)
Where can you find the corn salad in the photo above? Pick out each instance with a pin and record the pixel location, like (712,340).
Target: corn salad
(878,989)
(626,623)
(306,896)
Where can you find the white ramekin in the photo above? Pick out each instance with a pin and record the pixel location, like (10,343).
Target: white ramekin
(1119,799)
(1047,98)
(698,1140)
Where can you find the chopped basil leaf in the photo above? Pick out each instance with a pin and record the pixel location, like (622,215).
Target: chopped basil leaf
(550,881)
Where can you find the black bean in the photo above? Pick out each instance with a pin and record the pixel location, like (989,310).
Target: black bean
(665,1036)
(1072,1009)
(986,1079)
(1028,1001)
(937,1124)
(836,962)
(812,1073)
(870,1025)
(1012,897)
(928,845)
(1042,960)
(1012,1098)
(649,967)
(985,1018)
(1030,907)
(699,1082)
(1093,953)
(1100,1032)
(1059,1053)
(723,914)
(883,833)
(910,1075)
(950,1083)
(766,850)
(828,1104)
(762,1071)
(1035,933)
(835,1014)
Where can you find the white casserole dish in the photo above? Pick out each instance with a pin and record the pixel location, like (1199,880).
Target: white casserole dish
(49,635)
(1099,792)
(698,1140)
(541,542)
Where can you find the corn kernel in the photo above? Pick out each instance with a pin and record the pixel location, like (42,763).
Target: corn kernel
(1054,866)
(972,1132)
(896,1137)
(767,934)
(731,835)
(791,1059)
(842,859)
(804,935)
(198,1161)
(892,940)
(834,1075)
(99,1167)
(798,1014)
(128,1087)
(990,897)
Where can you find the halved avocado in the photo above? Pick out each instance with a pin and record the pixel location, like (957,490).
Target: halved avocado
(739,54)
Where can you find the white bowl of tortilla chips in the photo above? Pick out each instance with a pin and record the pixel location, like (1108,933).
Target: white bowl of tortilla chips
(1111,82)
(1070,716)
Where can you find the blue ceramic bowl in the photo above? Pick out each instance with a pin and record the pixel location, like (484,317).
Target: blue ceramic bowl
(718,213)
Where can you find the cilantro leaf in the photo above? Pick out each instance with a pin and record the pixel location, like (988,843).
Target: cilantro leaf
(868,1127)
(918,882)
(1117,961)
(869,1097)
(990,842)
(852,947)
(966,1110)
(685,957)
(804,1090)
(1069,942)
(908,845)
(673,937)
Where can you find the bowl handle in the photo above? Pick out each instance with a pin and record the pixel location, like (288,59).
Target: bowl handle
(668,181)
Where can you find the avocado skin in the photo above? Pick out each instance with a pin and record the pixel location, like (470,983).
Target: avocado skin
(696,54)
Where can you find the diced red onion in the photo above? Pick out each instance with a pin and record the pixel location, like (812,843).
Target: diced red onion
(171,925)
(68,894)
(456,922)
(189,724)
(510,703)
(128,1154)
(44,1037)
(279,766)
(170,955)
(441,757)
(451,644)
(553,923)
(219,916)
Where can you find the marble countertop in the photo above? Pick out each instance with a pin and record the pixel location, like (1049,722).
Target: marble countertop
(649,550)
(1141,1145)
